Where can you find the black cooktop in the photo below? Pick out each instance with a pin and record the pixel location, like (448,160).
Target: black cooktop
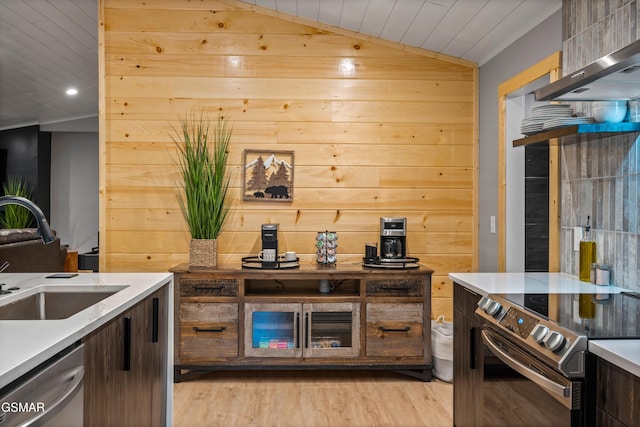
(596,316)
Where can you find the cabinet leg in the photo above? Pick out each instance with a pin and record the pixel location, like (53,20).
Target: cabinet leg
(185,372)
(421,374)
(177,375)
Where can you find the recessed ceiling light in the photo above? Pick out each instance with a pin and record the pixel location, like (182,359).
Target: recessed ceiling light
(72,91)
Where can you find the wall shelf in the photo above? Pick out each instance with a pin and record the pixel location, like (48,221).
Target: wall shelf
(577,133)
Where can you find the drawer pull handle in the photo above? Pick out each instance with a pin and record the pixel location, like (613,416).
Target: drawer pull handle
(207,288)
(126,362)
(472,348)
(307,330)
(155,319)
(220,329)
(297,330)
(394,288)
(405,329)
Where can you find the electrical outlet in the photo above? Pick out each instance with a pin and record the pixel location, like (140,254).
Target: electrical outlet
(492,222)
(577,236)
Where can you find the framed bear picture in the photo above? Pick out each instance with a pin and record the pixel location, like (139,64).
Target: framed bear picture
(268,176)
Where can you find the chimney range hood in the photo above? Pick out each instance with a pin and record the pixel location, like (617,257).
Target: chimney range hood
(614,76)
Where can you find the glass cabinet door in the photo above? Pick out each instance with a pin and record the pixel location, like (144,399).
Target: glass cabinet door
(331,329)
(294,330)
(273,330)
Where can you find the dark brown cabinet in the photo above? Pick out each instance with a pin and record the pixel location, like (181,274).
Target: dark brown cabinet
(616,395)
(126,367)
(467,360)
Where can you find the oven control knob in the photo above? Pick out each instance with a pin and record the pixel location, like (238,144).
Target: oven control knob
(539,332)
(484,303)
(494,308)
(554,341)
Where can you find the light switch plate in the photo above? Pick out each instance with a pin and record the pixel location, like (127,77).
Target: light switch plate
(577,236)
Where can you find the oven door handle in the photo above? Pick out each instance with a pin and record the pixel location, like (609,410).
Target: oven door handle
(547,384)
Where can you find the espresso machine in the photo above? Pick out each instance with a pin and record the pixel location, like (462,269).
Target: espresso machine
(393,238)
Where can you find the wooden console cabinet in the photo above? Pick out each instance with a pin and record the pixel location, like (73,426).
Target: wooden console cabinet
(244,318)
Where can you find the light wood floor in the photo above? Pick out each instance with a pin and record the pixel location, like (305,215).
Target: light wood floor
(333,398)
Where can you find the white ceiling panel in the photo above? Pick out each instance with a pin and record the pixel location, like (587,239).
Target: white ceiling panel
(401,17)
(353,13)
(48,45)
(330,11)
(309,9)
(376,16)
(468,36)
(515,25)
(455,20)
(287,6)
(424,24)
(269,4)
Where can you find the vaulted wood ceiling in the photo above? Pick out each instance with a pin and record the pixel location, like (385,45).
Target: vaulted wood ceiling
(47,46)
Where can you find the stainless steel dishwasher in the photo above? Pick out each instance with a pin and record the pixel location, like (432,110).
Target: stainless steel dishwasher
(51,395)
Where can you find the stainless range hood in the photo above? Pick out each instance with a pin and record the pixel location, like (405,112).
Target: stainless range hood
(614,76)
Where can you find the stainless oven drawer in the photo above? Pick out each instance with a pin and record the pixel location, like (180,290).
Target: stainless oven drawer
(563,389)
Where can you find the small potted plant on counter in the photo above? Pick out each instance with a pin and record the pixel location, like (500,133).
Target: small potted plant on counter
(202,161)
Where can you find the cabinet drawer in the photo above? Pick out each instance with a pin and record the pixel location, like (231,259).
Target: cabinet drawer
(395,330)
(396,288)
(208,331)
(203,287)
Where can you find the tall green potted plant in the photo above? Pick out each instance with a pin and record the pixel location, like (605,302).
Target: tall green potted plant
(202,161)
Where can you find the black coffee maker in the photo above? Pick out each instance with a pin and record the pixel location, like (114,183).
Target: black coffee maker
(393,238)
(269,253)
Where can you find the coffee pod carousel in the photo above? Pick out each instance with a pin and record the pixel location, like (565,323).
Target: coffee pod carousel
(326,247)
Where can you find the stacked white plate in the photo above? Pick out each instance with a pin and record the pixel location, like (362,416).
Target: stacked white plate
(566,121)
(541,114)
(529,126)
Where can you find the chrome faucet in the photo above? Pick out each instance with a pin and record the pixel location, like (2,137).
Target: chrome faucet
(44,231)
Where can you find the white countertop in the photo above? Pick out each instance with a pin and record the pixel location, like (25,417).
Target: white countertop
(24,344)
(622,353)
(530,283)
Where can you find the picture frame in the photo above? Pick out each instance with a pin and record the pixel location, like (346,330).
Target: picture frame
(268,176)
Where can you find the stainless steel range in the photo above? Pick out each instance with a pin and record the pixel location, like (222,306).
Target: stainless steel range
(536,353)
(549,341)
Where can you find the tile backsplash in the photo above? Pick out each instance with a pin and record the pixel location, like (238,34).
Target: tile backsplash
(599,177)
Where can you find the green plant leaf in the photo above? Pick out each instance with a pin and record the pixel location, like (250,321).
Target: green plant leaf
(15,216)
(203,168)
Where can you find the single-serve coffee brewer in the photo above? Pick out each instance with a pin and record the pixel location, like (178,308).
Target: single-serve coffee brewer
(269,253)
(393,238)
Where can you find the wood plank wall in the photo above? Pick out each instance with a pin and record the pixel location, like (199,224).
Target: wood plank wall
(377,128)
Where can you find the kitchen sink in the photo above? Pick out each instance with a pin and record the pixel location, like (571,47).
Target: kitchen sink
(50,305)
